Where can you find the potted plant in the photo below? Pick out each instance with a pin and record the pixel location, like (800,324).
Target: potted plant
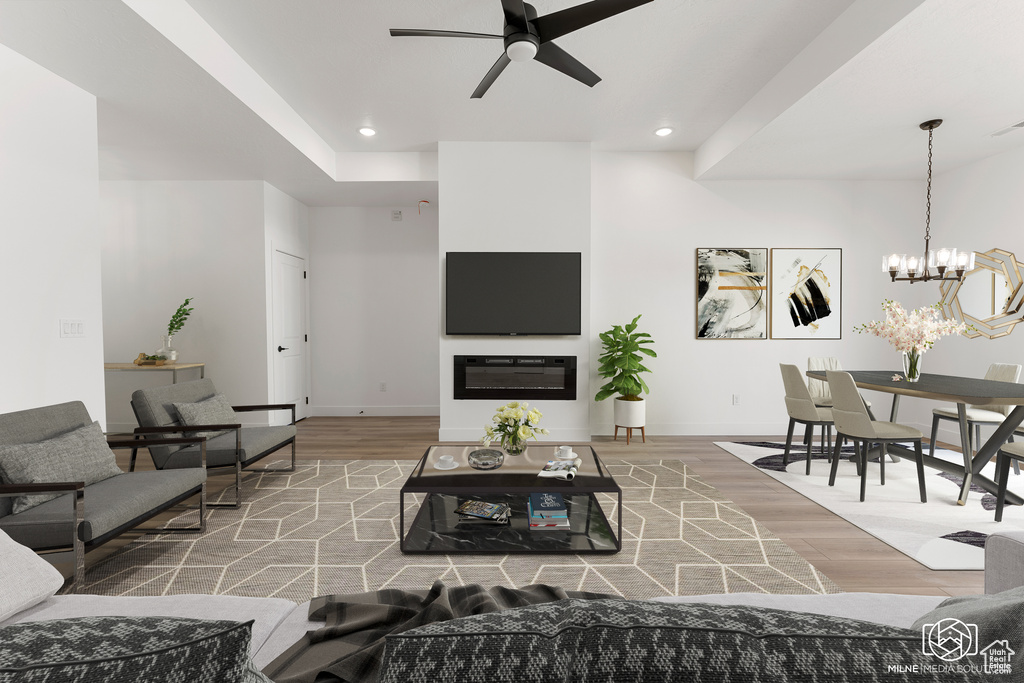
(620,361)
(176,323)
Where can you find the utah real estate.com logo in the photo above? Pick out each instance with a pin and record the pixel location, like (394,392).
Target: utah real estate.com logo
(953,642)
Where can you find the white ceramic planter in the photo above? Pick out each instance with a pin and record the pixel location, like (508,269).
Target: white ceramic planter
(630,413)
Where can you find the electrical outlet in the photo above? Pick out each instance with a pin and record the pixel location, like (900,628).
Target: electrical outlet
(383,386)
(735,399)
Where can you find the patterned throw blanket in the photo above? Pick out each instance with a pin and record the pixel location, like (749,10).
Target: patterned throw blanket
(350,646)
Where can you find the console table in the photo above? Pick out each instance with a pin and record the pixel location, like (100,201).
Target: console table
(172,367)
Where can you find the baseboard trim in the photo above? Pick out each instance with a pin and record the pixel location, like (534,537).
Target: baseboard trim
(380,411)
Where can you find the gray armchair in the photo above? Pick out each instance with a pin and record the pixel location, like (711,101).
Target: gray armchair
(37,446)
(229,444)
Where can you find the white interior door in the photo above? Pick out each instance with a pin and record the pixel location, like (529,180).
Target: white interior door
(290,337)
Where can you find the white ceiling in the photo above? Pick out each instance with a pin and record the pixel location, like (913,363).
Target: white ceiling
(756,88)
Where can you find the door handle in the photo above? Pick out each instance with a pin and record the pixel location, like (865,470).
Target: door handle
(282,348)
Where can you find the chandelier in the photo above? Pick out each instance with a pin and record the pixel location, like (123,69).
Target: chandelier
(950,264)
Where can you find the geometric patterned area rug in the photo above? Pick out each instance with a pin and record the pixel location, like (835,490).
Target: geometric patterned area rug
(939,534)
(332,527)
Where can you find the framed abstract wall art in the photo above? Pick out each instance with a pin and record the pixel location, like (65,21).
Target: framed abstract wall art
(732,301)
(806,293)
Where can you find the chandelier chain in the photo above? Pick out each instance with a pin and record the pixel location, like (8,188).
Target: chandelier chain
(928,209)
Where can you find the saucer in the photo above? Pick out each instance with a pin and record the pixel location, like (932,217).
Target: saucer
(572,456)
(439,466)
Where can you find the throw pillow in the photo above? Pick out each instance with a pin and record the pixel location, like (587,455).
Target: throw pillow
(78,455)
(971,624)
(28,578)
(127,650)
(215,410)
(632,640)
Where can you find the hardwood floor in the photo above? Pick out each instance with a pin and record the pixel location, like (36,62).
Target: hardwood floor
(852,558)
(855,560)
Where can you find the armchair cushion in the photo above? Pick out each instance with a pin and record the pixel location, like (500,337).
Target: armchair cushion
(215,410)
(28,578)
(79,455)
(129,497)
(220,451)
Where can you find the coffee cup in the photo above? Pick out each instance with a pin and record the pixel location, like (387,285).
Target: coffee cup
(564,452)
(446,461)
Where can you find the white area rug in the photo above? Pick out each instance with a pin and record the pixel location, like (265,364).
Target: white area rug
(939,534)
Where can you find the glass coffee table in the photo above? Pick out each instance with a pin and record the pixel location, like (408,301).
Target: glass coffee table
(436,528)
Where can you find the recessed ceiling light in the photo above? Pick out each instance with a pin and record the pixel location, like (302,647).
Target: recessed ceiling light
(662,132)
(368,132)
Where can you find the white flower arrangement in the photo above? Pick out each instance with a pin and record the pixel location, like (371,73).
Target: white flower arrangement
(914,332)
(513,424)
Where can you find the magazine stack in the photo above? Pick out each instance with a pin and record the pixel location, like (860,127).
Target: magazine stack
(479,513)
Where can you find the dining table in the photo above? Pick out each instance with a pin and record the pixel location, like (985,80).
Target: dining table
(962,391)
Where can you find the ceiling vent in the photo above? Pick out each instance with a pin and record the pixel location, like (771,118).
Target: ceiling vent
(1008,129)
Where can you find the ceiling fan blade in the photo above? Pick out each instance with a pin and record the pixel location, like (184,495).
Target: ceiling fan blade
(515,14)
(491,76)
(439,34)
(559,59)
(556,24)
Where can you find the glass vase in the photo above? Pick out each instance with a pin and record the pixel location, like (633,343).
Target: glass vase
(912,365)
(166,350)
(513,444)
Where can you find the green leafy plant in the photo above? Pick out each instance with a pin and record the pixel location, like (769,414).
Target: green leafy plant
(621,362)
(179,317)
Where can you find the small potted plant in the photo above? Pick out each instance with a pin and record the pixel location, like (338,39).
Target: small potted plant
(620,362)
(173,327)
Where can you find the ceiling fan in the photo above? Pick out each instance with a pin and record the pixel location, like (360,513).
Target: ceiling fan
(527,36)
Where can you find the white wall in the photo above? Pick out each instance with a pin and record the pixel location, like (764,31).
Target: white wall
(373,311)
(50,259)
(515,197)
(165,241)
(649,218)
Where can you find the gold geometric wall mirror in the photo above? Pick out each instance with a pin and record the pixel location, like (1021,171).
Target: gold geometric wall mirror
(990,298)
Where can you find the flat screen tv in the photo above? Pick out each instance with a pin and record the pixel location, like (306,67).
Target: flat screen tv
(512,293)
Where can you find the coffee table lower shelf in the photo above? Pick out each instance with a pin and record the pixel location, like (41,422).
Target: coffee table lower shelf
(436,528)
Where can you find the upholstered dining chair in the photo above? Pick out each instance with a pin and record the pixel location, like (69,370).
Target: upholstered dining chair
(978,415)
(802,410)
(1009,452)
(820,393)
(853,422)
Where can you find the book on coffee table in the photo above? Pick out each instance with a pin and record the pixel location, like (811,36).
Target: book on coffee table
(547,505)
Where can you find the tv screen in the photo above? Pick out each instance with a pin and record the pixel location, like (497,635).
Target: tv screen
(513,293)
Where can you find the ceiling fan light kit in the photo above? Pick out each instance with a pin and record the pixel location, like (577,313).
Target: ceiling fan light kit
(527,37)
(949,263)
